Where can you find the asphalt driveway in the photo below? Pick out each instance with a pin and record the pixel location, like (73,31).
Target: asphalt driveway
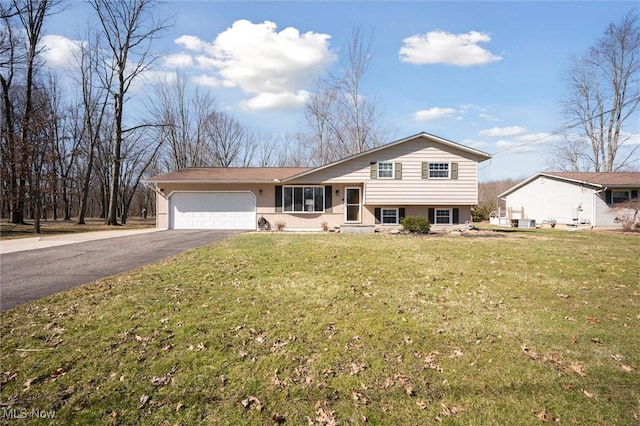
(30,275)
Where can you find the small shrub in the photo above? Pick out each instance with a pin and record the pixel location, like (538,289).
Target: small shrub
(416,224)
(325,226)
(279,225)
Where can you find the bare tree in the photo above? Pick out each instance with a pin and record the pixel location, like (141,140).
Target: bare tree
(94,79)
(129,28)
(229,143)
(603,95)
(183,117)
(17,138)
(340,119)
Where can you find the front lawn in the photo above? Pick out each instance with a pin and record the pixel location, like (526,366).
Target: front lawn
(278,328)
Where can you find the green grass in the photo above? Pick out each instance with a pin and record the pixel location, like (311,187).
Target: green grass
(498,329)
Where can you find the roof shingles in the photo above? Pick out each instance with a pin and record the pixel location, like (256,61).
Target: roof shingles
(229,174)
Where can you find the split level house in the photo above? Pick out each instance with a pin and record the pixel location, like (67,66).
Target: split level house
(573,198)
(421,175)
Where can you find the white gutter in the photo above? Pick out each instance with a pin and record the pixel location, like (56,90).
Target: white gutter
(594,213)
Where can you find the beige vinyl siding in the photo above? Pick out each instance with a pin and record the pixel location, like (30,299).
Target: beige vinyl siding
(412,189)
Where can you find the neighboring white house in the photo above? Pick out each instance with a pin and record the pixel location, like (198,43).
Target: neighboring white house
(572,198)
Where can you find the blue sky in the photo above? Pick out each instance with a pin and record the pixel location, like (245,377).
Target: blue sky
(489,75)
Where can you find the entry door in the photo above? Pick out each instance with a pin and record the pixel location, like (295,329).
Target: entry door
(352,206)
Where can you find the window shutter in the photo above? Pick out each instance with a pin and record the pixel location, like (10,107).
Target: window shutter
(401,214)
(432,216)
(634,193)
(609,196)
(454,170)
(328,198)
(456,216)
(278,201)
(378,214)
(398,173)
(425,170)
(374,170)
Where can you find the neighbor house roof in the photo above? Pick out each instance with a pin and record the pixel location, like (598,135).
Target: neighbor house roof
(596,180)
(228,174)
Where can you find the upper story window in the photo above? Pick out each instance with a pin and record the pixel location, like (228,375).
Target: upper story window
(385,171)
(439,170)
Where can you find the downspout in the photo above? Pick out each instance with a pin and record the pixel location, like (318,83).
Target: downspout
(594,213)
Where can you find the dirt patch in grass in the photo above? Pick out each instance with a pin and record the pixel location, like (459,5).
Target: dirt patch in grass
(273,328)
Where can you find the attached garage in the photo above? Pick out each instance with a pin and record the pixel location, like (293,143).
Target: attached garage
(212,210)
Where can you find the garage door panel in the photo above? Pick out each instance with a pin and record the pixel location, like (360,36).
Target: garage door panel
(213,210)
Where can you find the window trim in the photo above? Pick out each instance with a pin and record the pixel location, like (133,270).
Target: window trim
(448,170)
(397,215)
(315,202)
(435,216)
(393,170)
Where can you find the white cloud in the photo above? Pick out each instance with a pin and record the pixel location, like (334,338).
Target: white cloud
(179,60)
(433,114)
(440,47)
(498,132)
(207,80)
(275,67)
(538,138)
(59,51)
(276,100)
(191,43)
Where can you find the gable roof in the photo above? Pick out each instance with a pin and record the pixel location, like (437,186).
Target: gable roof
(482,156)
(593,179)
(284,174)
(228,174)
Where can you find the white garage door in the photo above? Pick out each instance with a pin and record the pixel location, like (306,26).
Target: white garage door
(213,210)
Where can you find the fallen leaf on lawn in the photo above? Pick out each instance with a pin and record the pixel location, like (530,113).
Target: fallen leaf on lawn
(324,414)
(596,340)
(450,411)
(593,320)
(408,340)
(626,368)
(179,405)
(7,376)
(278,418)
(531,354)
(113,415)
(422,404)
(409,390)
(576,367)
(457,353)
(357,367)
(27,384)
(143,400)
(587,393)
(252,403)
(543,416)
(617,357)
(563,296)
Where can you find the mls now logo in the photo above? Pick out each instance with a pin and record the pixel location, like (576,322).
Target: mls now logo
(23,413)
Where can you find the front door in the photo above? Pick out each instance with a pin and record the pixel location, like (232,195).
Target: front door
(352,205)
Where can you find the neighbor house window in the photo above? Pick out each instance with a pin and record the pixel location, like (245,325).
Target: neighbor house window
(438,170)
(620,196)
(307,199)
(385,171)
(443,216)
(389,216)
